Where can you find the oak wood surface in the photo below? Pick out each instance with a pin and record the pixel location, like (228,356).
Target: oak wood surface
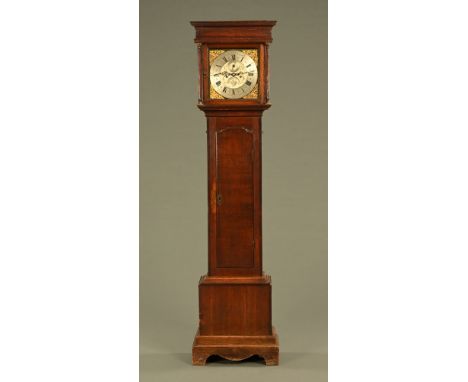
(235,296)
(236,348)
(234,173)
(235,308)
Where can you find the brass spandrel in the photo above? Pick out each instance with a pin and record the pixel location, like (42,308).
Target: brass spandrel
(253,53)
(214,94)
(215,53)
(253,94)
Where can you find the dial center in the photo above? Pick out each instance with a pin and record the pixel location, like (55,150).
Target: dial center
(235,74)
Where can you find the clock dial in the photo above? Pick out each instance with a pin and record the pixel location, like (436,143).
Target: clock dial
(233,74)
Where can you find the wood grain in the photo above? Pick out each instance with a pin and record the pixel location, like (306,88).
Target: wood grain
(235,296)
(236,348)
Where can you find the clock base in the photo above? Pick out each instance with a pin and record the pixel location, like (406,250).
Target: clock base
(236,348)
(235,319)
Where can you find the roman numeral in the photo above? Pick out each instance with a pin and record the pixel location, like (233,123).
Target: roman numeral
(219,66)
(251,74)
(248,83)
(248,65)
(233,57)
(225,59)
(224,90)
(233,92)
(242,58)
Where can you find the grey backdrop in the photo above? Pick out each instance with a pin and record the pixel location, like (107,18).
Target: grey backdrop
(173,201)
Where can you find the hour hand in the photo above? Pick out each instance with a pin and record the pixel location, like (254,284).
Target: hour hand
(225,74)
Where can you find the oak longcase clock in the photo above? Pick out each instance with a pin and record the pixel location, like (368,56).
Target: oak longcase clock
(235,296)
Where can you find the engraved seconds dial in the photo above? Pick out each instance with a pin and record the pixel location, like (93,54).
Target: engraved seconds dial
(233,74)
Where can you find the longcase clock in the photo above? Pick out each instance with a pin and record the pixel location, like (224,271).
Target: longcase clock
(235,296)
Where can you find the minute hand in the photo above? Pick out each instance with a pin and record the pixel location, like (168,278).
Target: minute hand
(241,73)
(228,74)
(225,74)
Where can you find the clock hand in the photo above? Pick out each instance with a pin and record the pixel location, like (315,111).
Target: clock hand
(238,74)
(229,74)
(225,74)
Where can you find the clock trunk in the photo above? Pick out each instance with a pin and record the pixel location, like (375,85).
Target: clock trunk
(234,162)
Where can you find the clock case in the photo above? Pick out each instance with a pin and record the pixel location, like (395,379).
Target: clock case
(232,36)
(235,314)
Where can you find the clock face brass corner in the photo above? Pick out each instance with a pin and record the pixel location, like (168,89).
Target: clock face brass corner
(213,53)
(233,73)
